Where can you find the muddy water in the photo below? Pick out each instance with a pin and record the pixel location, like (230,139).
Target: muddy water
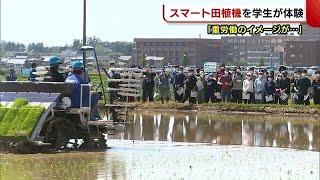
(225,129)
(187,146)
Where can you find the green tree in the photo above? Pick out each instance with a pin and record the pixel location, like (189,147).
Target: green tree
(115,55)
(143,61)
(76,44)
(261,62)
(243,62)
(185,60)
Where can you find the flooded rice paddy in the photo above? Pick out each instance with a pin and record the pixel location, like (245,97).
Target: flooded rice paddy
(160,145)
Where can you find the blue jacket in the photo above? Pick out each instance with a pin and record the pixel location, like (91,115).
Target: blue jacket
(77,80)
(32,77)
(11,78)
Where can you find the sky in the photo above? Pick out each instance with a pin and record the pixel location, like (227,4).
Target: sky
(58,22)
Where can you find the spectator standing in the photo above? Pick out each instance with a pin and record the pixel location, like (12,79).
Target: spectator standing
(211,86)
(237,81)
(190,83)
(259,88)
(284,88)
(278,94)
(32,76)
(148,85)
(293,81)
(178,84)
(248,90)
(226,86)
(11,76)
(164,86)
(201,88)
(270,89)
(302,88)
(220,72)
(316,88)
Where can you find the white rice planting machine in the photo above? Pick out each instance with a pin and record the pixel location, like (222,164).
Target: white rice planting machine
(59,126)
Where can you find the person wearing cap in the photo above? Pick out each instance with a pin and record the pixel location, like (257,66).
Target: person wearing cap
(259,88)
(284,87)
(32,76)
(178,84)
(316,88)
(247,89)
(237,80)
(302,88)
(55,76)
(148,85)
(164,86)
(190,83)
(211,86)
(11,76)
(77,79)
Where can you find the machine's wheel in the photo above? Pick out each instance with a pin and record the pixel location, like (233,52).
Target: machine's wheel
(102,143)
(88,142)
(21,147)
(59,131)
(91,143)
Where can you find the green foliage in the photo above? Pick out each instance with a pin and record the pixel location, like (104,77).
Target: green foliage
(2,72)
(12,46)
(229,64)
(115,55)
(19,102)
(76,44)
(143,62)
(243,62)
(261,62)
(10,115)
(21,77)
(3,111)
(19,119)
(29,122)
(185,60)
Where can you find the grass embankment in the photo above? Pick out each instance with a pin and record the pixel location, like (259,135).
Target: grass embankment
(230,107)
(19,119)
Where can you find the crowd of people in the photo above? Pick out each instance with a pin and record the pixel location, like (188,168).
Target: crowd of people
(232,85)
(198,87)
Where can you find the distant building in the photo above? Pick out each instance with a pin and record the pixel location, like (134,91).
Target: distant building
(173,49)
(155,61)
(302,53)
(310,33)
(16,63)
(125,59)
(254,49)
(67,54)
(89,60)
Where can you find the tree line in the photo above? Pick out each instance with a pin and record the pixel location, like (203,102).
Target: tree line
(113,49)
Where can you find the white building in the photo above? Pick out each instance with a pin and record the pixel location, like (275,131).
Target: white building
(16,63)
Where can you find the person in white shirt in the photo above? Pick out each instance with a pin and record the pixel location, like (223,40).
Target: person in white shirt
(248,96)
(259,88)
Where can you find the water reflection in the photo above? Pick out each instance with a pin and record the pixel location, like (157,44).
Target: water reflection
(270,131)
